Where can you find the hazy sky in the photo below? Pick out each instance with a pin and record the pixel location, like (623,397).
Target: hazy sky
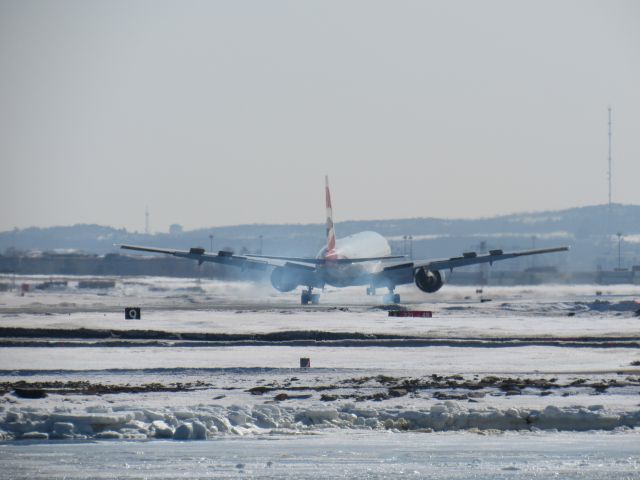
(226,112)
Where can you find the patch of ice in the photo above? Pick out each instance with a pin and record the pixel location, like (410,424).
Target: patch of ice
(161,429)
(183,432)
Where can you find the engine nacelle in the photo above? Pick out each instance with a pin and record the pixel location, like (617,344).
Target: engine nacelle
(429,281)
(283,280)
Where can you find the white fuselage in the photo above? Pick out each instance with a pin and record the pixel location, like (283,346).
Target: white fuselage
(359,245)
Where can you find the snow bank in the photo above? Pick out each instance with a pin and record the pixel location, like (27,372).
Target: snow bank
(208,421)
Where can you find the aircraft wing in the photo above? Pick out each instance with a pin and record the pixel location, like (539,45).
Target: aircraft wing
(229,258)
(472,258)
(222,257)
(402,272)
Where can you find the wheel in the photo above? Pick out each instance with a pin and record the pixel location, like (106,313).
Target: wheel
(315,298)
(391,298)
(305,298)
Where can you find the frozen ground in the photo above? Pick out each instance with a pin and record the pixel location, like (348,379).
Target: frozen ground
(538,380)
(330,455)
(164,292)
(181,305)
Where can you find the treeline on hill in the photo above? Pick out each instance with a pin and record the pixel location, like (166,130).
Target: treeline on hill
(589,231)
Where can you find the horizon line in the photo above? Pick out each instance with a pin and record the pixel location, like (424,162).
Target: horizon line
(530,212)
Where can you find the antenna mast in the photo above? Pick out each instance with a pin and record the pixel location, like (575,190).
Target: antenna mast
(609,160)
(146,220)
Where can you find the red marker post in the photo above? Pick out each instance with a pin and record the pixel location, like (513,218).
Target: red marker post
(411,313)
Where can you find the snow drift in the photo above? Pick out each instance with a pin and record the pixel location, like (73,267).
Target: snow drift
(209,421)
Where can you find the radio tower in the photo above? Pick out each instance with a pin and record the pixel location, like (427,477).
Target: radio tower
(146,220)
(609,161)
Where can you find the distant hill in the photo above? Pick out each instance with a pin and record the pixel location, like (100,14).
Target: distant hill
(584,229)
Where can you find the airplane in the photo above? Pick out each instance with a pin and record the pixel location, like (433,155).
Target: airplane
(360,259)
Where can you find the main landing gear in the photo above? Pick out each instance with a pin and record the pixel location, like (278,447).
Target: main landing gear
(388,298)
(308,297)
(391,297)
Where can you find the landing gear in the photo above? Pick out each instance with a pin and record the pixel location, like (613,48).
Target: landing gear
(371,291)
(391,297)
(308,297)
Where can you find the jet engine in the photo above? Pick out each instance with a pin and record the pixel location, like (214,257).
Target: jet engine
(283,279)
(429,281)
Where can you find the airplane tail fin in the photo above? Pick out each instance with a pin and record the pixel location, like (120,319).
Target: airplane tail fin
(330,253)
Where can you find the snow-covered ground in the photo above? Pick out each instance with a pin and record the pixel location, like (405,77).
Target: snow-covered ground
(181,305)
(413,360)
(179,292)
(475,368)
(457,455)
(444,324)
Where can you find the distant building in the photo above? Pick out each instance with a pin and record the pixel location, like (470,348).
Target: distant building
(175,229)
